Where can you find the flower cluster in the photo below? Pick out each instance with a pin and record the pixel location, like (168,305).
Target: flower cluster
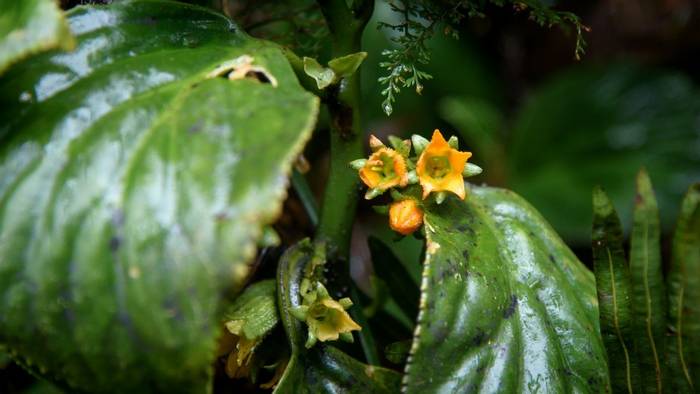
(437,165)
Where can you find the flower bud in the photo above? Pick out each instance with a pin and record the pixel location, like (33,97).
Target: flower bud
(405,216)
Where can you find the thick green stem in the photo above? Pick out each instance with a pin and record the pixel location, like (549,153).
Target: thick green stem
(340,198)
(341,194)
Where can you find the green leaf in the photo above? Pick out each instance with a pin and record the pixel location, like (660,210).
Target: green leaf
(323,76)
(648,293)
(613,286)
(254,313)
(337,69)
(505,305)
(134,186)
(401,286)
(323,368)
(397,352)
(684,297)
(605,124)
(31,26)
(4,357)
(346,66)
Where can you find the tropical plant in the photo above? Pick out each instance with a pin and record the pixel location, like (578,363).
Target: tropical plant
(147,149)
(648,319)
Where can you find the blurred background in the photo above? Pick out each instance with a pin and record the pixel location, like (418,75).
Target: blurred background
(537,120)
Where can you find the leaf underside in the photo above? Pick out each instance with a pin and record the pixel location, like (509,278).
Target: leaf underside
(505,305)
(133,188)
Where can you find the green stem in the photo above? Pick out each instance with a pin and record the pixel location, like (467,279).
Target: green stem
(340,198)
(341,194)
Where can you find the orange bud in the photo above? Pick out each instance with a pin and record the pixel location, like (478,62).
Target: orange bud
(405,216)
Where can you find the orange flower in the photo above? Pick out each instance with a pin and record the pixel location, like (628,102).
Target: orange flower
(405,216)
(385,168)
(440,167)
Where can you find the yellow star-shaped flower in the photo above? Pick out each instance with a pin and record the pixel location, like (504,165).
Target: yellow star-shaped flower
(327,319)
(386,168)
(440,167)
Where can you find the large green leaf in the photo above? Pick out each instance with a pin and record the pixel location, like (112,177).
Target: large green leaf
(30,26)
(595,126)
(323,368)
(505,305)
(683,283)
(134,185)
(614,299)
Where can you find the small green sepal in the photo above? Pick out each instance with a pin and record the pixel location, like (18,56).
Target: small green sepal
(401,146)
(299,312)
(346,337)
(440,197)
(310,340)
(413,177)
(345,302)
(453,142)
(372,193)
(471,170)
(358,164)
(419,143)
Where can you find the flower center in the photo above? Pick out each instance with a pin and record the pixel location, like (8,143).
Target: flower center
(318,312)
(385,166)
(438,166)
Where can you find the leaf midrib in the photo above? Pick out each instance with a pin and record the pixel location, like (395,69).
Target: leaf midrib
(616,321)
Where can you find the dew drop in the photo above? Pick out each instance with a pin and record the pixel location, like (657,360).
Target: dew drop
(26,97)
(388,109)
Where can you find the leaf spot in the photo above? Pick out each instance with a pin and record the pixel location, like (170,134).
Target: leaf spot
(115,243)
(242,67)
(511,308)
(479,338)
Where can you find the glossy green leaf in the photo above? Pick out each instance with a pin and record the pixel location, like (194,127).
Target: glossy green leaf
(134,184)
(322,368)
(30,26)
(323,76)
(683,284)
(605,123)
(614,301)
(346,66)
(505,305)
(648,292)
